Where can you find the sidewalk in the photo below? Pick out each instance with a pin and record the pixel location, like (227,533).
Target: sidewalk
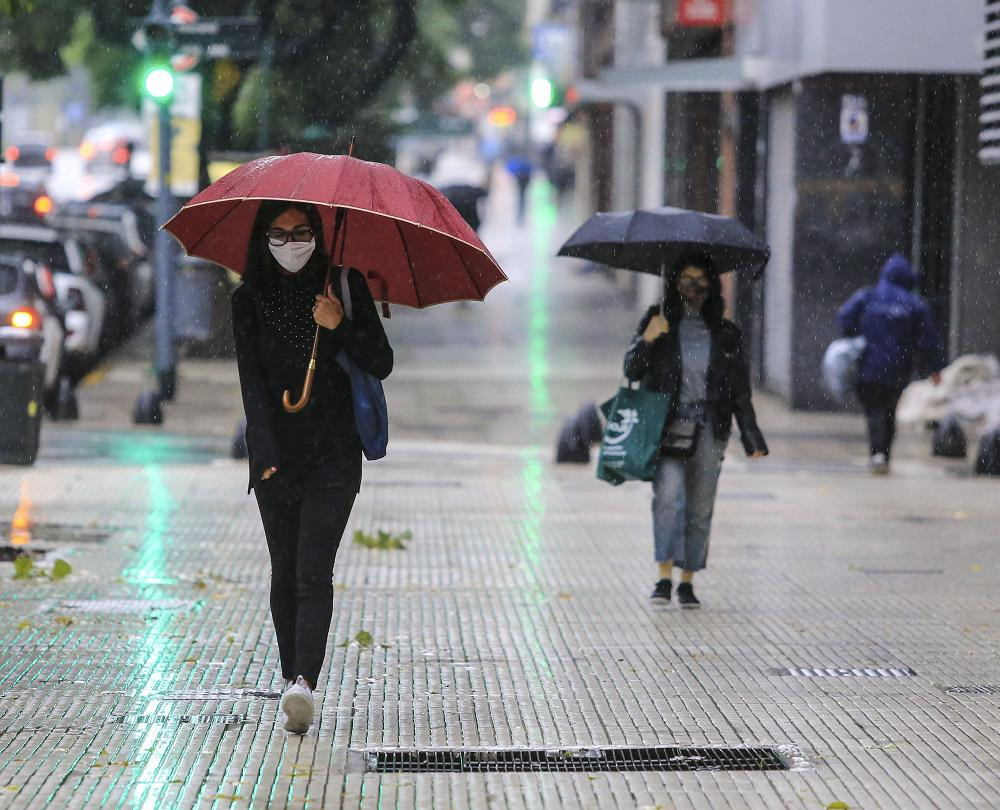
(850,623)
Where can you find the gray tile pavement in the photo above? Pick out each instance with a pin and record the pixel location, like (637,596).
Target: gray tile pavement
(518,615)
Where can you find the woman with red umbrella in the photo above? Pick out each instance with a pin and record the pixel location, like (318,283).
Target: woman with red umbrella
(305,462)
(266,220)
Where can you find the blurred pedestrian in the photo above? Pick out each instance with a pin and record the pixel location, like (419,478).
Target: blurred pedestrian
(305,467)
(687,349)
(522,169)
(466,199)
(899,334)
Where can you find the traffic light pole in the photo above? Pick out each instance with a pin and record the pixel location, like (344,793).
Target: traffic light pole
(158,84)
(166,351)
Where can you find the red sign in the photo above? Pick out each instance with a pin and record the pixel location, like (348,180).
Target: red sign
(701,13)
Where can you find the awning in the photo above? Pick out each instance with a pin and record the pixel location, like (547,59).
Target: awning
(683,76)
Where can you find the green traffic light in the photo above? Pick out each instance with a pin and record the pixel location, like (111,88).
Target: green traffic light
(542,93)
(159,83)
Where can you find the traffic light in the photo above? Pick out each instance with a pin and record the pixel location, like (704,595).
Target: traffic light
(158,82)
(542,92)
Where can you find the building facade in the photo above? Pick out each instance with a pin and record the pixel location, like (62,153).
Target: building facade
(844,131)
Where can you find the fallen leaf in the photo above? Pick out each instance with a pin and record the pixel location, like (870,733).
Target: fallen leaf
(364,638)
(838,806)
(65,621)
(190,660)
(24,625)
(23,567)
(383,541)
(61,569)
(200,584)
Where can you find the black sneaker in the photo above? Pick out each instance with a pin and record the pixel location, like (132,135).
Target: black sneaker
(685,596)
(661,593)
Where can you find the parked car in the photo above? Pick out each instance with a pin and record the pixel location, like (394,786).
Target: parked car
(78,294)
(22,199)
(115,233)
(31,158)
(31,328)
(108,147)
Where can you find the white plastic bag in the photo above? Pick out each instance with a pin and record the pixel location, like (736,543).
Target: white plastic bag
(840,367)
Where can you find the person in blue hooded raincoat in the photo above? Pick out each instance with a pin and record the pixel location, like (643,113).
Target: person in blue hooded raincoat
(900,338)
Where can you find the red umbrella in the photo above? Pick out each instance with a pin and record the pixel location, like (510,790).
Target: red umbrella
(410,242)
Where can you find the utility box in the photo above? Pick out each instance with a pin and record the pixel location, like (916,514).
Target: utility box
(22,385)
(203,318)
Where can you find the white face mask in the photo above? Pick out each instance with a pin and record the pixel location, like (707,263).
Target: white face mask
(292,256)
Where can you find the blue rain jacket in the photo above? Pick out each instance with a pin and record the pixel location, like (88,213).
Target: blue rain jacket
(897,326)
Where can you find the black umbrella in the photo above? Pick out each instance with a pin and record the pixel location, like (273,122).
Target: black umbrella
(650,240)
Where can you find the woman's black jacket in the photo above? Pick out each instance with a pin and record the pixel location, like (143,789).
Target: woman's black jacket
(321,441)
(658,366)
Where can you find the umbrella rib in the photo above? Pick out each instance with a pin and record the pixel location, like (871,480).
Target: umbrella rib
(219,221)
(409,261)
(468,272)
(432,194)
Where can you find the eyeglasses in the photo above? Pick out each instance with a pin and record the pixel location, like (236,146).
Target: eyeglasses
(278,236)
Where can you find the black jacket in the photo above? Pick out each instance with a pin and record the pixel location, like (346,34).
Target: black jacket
(658,366)
(321,440)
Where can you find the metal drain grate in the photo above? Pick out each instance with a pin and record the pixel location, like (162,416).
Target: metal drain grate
(170,719)
(922,571)
(11,553)
(843,672)
(973,689)
(585,760)
(60,533)
(124,605)
(221,694)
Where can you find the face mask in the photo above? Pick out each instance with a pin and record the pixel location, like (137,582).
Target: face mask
(292,256)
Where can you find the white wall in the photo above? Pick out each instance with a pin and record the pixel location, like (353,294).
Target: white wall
(809,37)
(778,290)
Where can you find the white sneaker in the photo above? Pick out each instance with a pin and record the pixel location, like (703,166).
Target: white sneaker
(879,464)
(298,705)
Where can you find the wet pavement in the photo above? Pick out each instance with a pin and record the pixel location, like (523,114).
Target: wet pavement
(849,625)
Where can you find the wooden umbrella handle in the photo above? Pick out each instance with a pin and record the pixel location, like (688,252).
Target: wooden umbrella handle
(286,398)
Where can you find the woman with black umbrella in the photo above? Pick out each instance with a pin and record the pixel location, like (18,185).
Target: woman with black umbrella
(686,348)
(305,463)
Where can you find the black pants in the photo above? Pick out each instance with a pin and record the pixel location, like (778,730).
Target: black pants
(879,402)
(302,539)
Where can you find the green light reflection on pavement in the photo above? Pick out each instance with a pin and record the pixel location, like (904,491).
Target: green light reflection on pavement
(543,221)
(157,653)
(532,487)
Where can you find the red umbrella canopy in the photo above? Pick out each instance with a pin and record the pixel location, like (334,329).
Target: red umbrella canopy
(412,244)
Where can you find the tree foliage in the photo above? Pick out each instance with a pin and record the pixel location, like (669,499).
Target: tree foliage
(338,65)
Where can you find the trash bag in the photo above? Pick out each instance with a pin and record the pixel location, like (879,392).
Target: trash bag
(840,367)
(988,457)
(577,435)
(949,438)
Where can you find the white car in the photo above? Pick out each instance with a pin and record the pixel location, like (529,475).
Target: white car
(30,328)
(81,299)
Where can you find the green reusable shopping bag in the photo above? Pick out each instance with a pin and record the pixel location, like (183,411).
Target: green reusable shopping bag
(630,448)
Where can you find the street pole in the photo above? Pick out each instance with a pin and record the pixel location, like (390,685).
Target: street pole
(166,354)
(264,125)
(159,84)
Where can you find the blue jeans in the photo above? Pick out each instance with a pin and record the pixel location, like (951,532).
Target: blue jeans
(683,502)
